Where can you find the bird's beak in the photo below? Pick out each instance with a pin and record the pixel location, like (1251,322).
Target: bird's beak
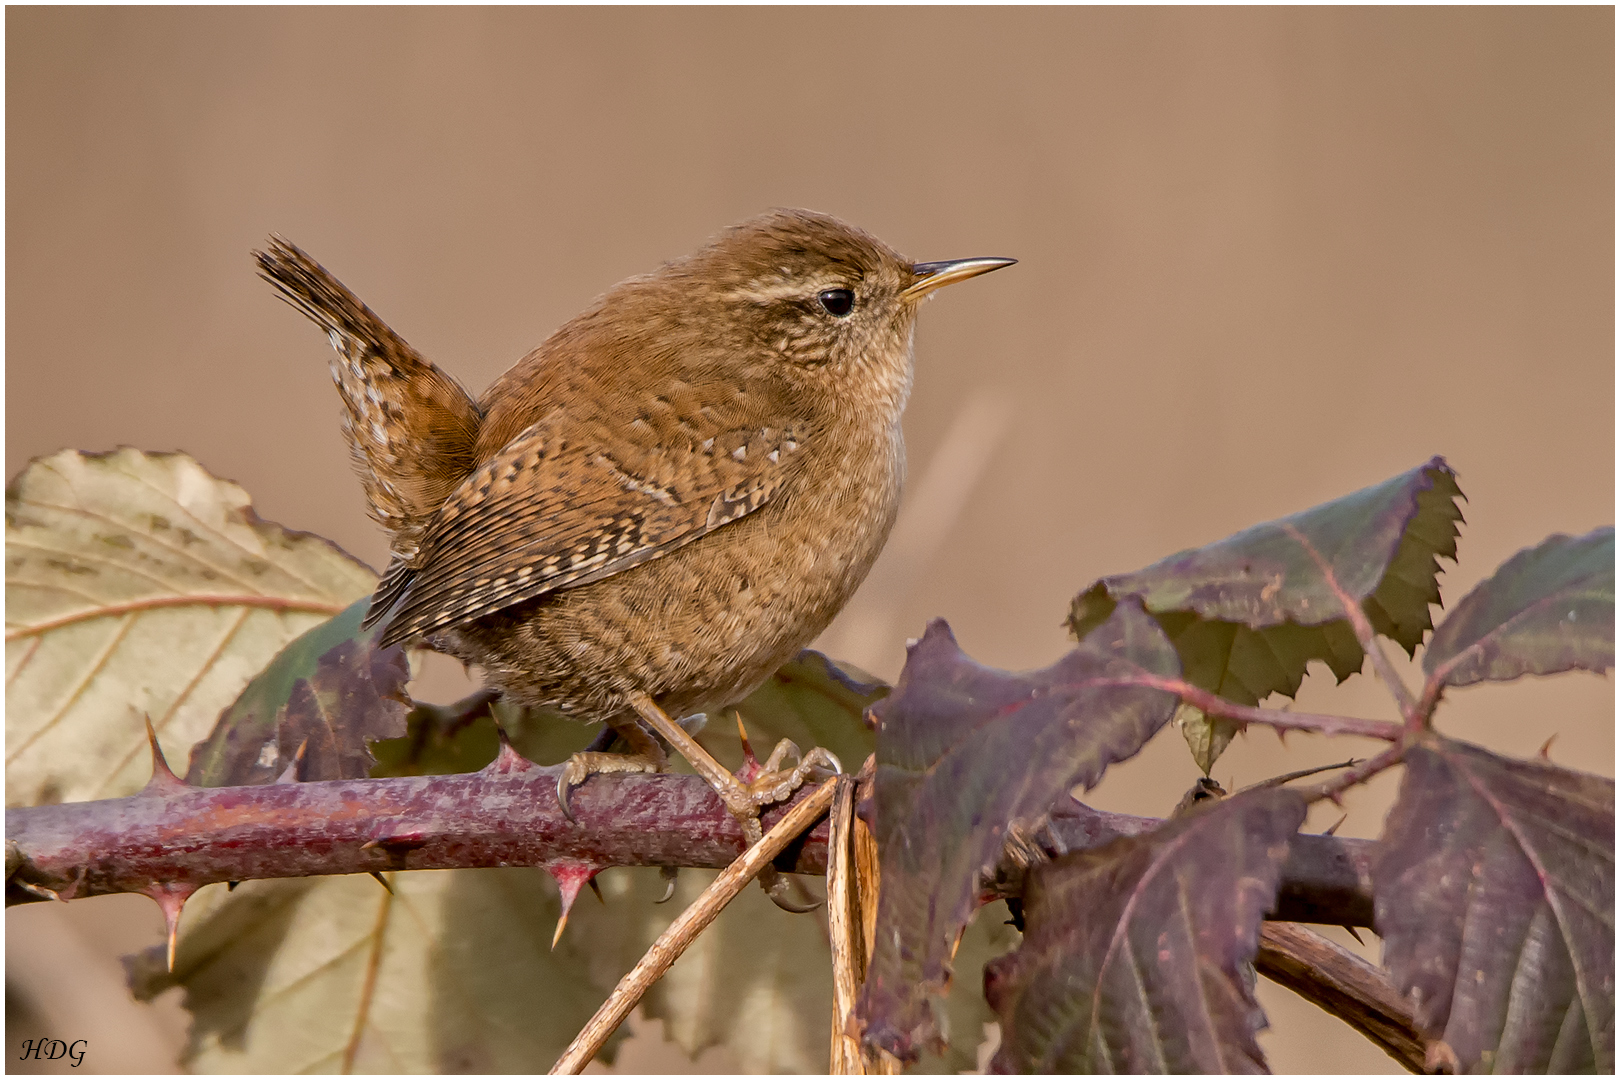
(936,275)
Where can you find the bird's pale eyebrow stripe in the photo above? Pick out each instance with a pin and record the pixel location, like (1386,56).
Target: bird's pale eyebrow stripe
(779,289)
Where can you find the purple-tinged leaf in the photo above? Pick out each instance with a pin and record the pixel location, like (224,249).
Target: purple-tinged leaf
(1550,608)
(330,691)
(1134,953)
(1247,614)
(1494,892)
(963,752)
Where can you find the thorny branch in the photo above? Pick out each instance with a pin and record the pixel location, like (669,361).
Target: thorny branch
(504,815)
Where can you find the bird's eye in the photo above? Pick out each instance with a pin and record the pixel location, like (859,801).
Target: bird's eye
(837,301)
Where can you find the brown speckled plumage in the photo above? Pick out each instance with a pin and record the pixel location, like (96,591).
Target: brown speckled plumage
(672,495)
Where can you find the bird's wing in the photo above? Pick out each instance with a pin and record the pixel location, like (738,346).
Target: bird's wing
(548,513)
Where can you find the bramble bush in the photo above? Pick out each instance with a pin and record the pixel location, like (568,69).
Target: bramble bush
(139,585)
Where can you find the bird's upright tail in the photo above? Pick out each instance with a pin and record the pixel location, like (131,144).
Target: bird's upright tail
(411,427)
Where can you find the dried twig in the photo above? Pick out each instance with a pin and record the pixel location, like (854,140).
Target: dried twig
(1343,984)
(852,922)
(691,922)
(843,928)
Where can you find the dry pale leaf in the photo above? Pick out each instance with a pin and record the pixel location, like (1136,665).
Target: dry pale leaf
(452,971)
(140,584)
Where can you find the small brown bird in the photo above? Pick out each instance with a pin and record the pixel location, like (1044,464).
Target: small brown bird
(669,498)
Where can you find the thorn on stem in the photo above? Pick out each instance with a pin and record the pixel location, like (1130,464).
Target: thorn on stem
(1546,746)
(1333,828)
(295,771)
(750,767)
(507,760)
(381,881)
(171,899)
(562,924)
(1354,934)
(397,843)
(163,778)
(571,876)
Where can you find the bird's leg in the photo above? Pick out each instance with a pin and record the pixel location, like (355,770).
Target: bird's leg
(732,791)
(645,756)
(742,800)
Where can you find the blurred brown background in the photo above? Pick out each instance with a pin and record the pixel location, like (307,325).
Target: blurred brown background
(1266,258)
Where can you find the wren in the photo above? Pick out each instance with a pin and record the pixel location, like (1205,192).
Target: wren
(669,498)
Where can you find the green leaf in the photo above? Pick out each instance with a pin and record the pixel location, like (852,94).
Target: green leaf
(1207,738)
(432,746)
(140,584)
(1550,608)
(1134,953)
(1249,613)
(965,752)
(1494,893)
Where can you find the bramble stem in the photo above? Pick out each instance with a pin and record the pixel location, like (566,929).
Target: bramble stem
(504,818)
(1333,788)
(1322,723)
(504,815)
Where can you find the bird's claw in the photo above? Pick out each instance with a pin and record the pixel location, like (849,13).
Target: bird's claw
(777,886)
(743,795)
(587,763)
(668,873)
(563,786)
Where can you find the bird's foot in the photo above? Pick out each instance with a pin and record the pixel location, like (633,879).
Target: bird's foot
(769,784)
(645,756)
